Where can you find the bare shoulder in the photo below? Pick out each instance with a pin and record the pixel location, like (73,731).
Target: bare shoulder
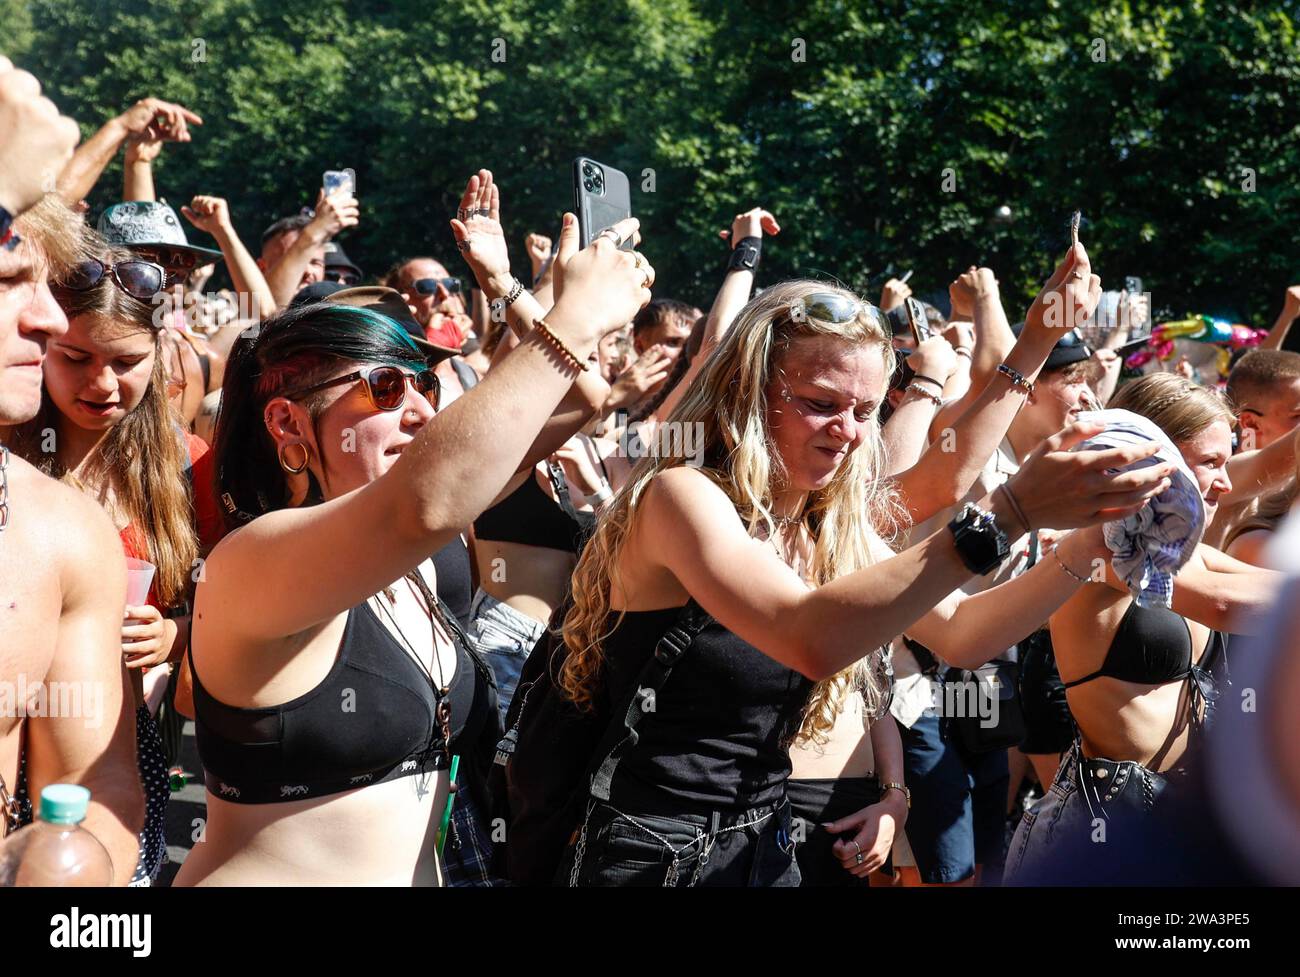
(63,519)
(687,493)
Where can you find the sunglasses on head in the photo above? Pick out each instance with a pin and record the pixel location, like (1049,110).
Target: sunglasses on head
(385,386)
(140,279)
(832,307)
(429,286)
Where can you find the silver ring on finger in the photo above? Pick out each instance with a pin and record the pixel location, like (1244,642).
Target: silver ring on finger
(859,858)
(462,214)
(859,850)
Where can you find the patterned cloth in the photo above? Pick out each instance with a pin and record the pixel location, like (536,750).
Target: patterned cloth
(157,791)
(1153,544)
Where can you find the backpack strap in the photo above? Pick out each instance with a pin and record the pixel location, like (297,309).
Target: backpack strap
(653,675)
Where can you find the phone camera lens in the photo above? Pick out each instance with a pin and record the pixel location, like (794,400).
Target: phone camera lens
(586,169)
(591,187)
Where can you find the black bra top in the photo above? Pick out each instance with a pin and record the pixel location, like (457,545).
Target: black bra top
(372,719)
(531,517)
(1153,646)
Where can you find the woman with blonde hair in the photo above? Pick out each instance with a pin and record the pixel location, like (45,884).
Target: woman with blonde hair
(771,558)
(1141,680)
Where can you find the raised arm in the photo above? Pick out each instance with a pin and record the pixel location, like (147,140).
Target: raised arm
(690,528)
(1254,473)
(950,466)
(333,214)
(1290,312)
(907,432)
(444,478)
(149,118)
(35,141)
(95,747)
(212,215)
(731,298)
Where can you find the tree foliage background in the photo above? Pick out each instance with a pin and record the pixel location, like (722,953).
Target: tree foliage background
(1173,126)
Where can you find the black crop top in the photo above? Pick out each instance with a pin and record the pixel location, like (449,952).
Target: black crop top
(721,725)
(1153,646)
(531,517)
(372,719)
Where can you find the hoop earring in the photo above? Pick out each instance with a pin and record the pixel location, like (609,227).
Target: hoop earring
(306,457)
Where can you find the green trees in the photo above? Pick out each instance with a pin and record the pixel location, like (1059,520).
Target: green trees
(884,135)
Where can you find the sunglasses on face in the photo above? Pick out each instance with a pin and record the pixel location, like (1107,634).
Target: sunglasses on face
(140,279)
(429,286)
(341,277)
(385,386)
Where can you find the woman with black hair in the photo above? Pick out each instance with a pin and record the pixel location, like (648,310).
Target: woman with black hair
(329,685)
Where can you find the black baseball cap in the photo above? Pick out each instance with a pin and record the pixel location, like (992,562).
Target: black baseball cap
(1070,348)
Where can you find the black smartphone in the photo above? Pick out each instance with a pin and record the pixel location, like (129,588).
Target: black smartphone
(602,197)
(909,318)
(1132,346)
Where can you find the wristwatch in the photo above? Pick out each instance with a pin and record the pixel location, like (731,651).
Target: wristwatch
(980,543)
(907,794)
(745,255)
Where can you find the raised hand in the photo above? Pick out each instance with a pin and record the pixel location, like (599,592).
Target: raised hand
(35,141)
(934,358)
(208,214)
(335,213)
(601,283)
(153,120)
(1062,489)
(538,247)
(894,294)
(646,372)
(752,223)
(478,232)
(968,287)
(1067,300)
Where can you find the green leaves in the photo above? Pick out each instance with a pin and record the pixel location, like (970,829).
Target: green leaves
(1145,116)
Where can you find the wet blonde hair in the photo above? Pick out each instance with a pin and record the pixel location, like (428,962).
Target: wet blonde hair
(728,402)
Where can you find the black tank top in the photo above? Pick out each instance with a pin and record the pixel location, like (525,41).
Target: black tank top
(531,517)
(718,734)
(372,719)
(455,585)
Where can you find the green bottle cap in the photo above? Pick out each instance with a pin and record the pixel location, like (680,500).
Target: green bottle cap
(64,803)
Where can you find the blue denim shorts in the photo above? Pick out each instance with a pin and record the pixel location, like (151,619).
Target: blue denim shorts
(505,638)
(1086,814)
(750,848)
(959,802)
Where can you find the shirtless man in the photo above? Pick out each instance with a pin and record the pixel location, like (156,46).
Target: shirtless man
(63,700)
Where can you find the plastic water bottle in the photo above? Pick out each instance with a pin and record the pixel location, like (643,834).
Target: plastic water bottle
(55,850)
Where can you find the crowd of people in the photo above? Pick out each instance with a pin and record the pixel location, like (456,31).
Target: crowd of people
(539,576)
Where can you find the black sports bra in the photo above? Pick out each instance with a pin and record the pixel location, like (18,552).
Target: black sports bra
(1152,646)
(531,517)
(372,719)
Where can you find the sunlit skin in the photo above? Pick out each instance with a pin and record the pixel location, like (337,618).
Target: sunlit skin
(1271,415)
(96,374)
(275,249)
(25,301)
(1131,720)
(428,306)
(671,336)
(349,444)
(347,418)
(833,389)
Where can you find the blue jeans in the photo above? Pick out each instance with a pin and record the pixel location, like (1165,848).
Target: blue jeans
(751,848)
(505,638)
(959,802)
(1086,815)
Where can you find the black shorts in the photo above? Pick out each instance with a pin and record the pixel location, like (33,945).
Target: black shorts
(1049,727)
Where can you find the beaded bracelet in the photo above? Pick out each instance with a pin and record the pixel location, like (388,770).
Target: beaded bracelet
(1067,569)
(514,293)
(928,395)
(553,340)
(1017,378)
(924,379)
